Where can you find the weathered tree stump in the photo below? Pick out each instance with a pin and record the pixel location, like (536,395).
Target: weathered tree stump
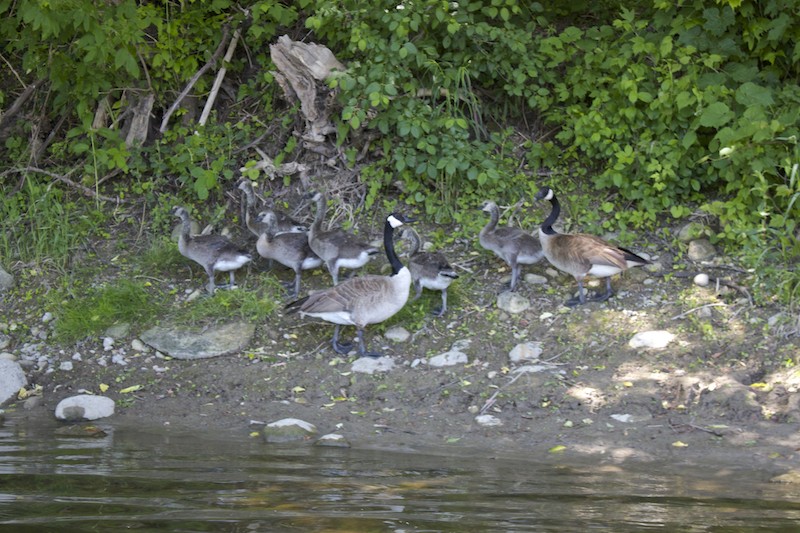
(302,71)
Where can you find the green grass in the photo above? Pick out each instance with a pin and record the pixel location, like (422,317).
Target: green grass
(124,300)
(254,304)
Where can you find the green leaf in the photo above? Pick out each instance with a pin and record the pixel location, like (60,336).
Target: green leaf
(749,94)
(716,115)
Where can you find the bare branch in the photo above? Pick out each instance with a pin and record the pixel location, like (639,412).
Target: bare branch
(197,75)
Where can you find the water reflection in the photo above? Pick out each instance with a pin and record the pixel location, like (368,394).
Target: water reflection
(158,480)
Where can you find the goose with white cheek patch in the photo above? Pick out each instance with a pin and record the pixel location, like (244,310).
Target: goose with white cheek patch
(582,255)
(363,300)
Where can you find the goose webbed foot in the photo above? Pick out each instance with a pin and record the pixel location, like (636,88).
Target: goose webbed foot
(601,297)
(362,350)
(338,347)
(438,311)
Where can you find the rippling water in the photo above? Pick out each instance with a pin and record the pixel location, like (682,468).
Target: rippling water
(155,480)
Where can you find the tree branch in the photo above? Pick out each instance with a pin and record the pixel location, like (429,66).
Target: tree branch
(63,179)
(203,69)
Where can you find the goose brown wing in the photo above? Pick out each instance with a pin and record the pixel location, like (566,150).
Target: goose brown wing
(599,252)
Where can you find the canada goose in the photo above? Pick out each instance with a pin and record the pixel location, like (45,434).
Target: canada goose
(284,223)
(336,247)
(290,249)
(212,252)
(363,300)
(512,245)
(580,254)
(428,269)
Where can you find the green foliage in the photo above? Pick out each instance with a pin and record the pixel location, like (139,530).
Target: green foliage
(40,222)
(97,308)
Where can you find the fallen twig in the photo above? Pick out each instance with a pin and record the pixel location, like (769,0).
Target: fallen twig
(64,179)
(690,311)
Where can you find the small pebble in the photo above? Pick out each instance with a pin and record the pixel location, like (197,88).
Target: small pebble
(701,280)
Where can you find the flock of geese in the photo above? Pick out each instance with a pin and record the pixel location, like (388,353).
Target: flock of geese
(371,299)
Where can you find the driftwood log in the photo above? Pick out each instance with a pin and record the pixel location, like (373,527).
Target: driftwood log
(302,71)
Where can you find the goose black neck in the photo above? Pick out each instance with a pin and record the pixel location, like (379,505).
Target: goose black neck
(547,225)
(388,244)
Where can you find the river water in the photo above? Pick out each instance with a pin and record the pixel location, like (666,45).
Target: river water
(161,480)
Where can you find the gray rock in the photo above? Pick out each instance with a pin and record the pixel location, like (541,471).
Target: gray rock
(8,356)
(32,403)
(701,250)
(451,358)
(214,342)
(118,331)
(289,430)
(6,280)
(5,340)
(370,365)
(397,334)
(535,279)
(651,339)
(47,317)
(12,379)
(512,302)
(527,351)
(84,407)
(692,231)
(66,366)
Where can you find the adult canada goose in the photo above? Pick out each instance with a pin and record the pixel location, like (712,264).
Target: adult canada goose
(580,254)
(512,245)
(283,222)
(290,249)
(336,247)
(362,300)
(428,269)
(212,252)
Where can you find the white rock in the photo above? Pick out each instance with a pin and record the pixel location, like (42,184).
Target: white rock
(65,366)
(118,359)
(370,365)
(651,339)
(138,346)
(47,317)
(76,357)
(450,358)
(108,343)
(527,351)
(284,422)
(701,280)
(84,407)
(397,334)
(488,420)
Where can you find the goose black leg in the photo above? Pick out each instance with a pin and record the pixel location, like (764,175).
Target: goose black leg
(362,351)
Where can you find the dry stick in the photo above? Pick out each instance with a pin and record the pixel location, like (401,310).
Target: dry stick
(17,105)
(690,311)
(203,69)
(218,80)
(63,179)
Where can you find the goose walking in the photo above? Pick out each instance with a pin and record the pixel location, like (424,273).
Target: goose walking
(336,247)
(580,254)
(428,269)
(290,249)
(212,252)
(283,222)
(512,245)
(363,300)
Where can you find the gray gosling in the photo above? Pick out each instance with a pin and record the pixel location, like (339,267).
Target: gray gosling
(212,252)
(512,245)
(362,300)
(580,254)
(428,269)
(284,223)
(336,247)
(290,249)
